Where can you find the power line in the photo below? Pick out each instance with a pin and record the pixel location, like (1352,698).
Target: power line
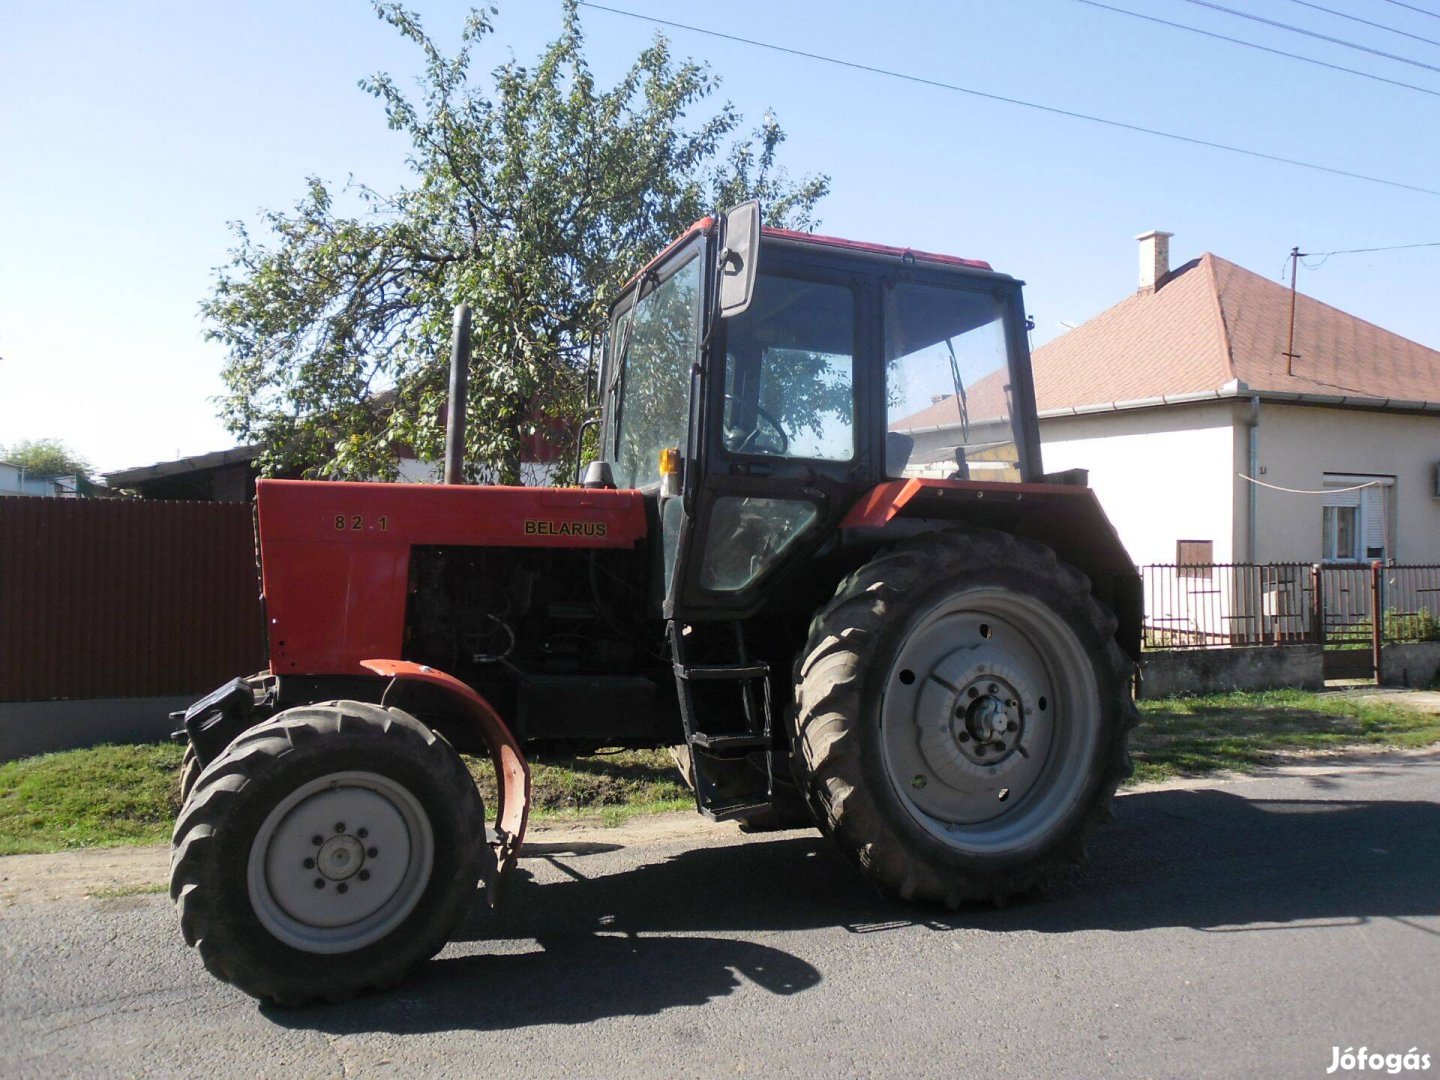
(1313,34)
(1412,7)
(1051,109)
(1366,22)
(1366,251)
(1262,48)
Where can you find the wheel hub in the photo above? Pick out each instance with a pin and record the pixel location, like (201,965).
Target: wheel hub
(988,720)
(341,857)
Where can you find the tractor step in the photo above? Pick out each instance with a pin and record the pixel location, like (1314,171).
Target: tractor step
(722,671)
(736,811)
(743,743)
(725,706)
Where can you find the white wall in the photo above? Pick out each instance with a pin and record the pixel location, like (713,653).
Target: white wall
(1299,444)
(1162,475)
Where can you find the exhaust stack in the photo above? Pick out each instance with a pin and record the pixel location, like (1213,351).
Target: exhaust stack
(459,388)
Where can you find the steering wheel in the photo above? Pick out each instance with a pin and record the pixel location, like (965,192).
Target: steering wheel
(739,443)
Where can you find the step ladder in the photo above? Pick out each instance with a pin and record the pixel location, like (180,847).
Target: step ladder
(725,707)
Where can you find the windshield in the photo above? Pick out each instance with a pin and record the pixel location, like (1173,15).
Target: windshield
(948,394)
(653,386)
(789,372)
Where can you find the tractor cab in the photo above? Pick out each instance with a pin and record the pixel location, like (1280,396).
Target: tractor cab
(757,381)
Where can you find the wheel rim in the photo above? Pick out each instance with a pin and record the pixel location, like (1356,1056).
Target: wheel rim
(340,862)
(990,721)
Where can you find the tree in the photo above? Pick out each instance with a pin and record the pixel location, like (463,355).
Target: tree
(533,200)
(47,457)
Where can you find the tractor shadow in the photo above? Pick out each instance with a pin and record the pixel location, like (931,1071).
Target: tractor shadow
(637,932)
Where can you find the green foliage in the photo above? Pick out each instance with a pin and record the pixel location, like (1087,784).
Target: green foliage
(1420,625)
(1193,736)
(533,199)
(47,457)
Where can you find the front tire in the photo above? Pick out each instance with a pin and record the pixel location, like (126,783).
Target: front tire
(961,717)
(326,852)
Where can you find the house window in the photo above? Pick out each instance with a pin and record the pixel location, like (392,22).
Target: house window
(1355,524)
(1195,558)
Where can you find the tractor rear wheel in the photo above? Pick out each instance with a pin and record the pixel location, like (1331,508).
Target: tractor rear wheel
(326,852)
(961,716)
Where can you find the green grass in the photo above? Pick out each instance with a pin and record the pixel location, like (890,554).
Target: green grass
(101,797)
(1193,736)
(109,796)
(114,795)
(115,892)
(612,786)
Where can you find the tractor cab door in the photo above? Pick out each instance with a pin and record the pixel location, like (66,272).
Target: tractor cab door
(781,439)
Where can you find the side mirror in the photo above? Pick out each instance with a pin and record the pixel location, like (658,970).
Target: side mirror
(738,258)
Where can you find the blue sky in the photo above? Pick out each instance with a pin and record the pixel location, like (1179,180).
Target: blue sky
(130,133)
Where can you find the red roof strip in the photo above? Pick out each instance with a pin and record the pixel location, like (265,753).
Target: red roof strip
(873,249)
(703,225)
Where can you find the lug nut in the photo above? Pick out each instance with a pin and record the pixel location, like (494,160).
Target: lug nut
(342,887)
(363,833)
(339,826)
(364,875)
(317,840)
(319,882)
(964,736)
(918,782)
(994,689)
(309,864)
(974,692)
(1012,726)
(980,749)
(372,852)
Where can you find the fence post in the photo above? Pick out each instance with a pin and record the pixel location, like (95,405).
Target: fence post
(1377,621)
(1317,605)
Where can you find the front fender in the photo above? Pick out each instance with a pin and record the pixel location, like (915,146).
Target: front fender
(512,771)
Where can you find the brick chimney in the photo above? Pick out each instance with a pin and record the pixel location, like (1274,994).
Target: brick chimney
(1154,258)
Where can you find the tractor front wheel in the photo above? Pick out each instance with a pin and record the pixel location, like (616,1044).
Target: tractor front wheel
(961,716)
(326,852)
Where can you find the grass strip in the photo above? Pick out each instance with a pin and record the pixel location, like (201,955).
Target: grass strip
(108,796)
(1194,736)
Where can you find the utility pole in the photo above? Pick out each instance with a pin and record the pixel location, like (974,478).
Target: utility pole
(1295,256)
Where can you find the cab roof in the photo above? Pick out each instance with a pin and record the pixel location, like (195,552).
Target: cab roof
(705,224)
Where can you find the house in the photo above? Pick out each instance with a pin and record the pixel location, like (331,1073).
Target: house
(1212,435)
(16,480)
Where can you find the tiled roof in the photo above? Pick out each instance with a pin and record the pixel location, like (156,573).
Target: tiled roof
(1214,326)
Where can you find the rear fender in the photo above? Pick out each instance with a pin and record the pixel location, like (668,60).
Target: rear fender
(1065,517)
(512,772)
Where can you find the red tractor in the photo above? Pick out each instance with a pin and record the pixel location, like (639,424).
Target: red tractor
(817,553)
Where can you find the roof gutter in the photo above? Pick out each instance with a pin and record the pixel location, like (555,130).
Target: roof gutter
(1237,389)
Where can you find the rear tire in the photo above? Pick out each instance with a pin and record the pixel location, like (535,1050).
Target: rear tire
(326,852)
(961,717)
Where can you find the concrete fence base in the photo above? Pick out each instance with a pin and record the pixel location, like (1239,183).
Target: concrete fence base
(40,727)
(1415,664)
(1216,671)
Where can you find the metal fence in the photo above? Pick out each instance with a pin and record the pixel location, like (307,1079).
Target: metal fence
(121,598)
(1218,605)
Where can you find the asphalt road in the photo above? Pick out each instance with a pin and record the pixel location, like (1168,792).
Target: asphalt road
(1241,930)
